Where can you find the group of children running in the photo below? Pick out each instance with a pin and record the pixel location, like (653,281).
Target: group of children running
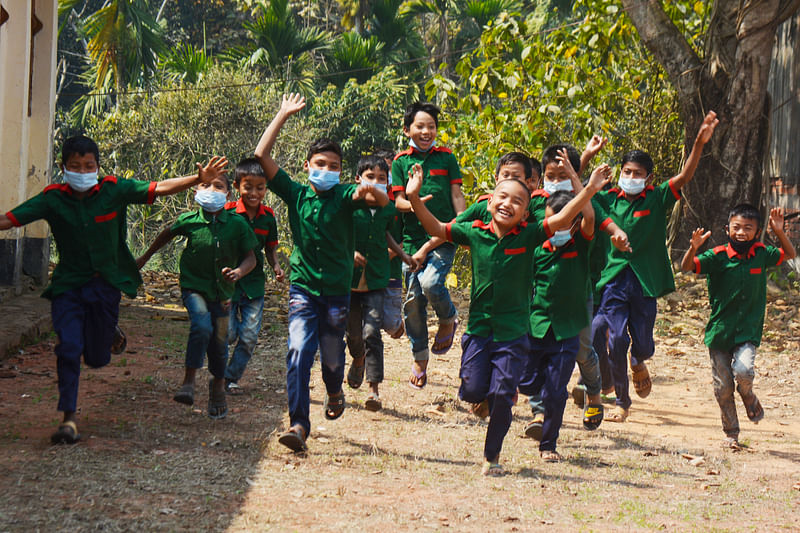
(563,272)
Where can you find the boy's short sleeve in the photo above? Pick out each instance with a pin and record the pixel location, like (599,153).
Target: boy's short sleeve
(537,233)
(459,232)
(399,178)
(136,191)
(272,229)
(248,240)
(668,193)
(775,256)
(706,263)
(475,211)
(34,208)
(282,185)
(453,170)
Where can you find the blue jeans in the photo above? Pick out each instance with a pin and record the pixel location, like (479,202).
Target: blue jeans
(737,366)
(427,285)
(588,362)
(208,332)
(244,325)
(364,331)
(393,306)
(84,320)
(314,322)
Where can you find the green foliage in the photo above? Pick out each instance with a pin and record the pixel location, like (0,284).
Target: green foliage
(186,63)
(353,57)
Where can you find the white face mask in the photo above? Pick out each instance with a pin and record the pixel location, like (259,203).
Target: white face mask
(417,148)
(554,186)
(632,186)
(210,200)
(79,181)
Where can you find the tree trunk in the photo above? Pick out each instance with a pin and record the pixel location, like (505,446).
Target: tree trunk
(730,79)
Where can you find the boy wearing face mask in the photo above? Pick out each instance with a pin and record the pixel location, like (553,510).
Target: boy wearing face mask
(559,312)
(737,290)
(370,279)
(218,253)
(321,219)
(631,282)
(87,218)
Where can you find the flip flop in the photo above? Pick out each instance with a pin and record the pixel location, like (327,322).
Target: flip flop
(185,395)
(355,375)
(421,378)
(550,456)
(233,388)
(534,429)
(333,407)
(437,340)
(294,439)
(592,416)
(618,414)
(120,341)
(481,409)
(641,380)
(67,433)
(217,405)
(373,402)
(492,469)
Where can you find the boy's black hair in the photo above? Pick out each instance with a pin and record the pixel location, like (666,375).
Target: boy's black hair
(385,153)
(370,162)
(640,158)
(559,199)
(516,157)
(748,211)
(324,145)
(248,166)
(520,182)
(551,153)
(536,166)
(416,107)
(81,145)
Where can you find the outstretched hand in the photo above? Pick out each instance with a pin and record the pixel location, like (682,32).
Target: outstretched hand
(213,169)
(292,103)
(596,143)
(707,128)
(699,236)
(776,218)
(563,162)
(414,184)
(600,177)
(620,241)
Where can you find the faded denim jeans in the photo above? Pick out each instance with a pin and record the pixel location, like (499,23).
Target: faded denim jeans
(243,328)
(208,332)
(364,331)
(726,367)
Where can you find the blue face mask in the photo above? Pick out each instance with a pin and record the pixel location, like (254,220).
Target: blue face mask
(632,186)
(323,180)
(81,182)
(210,200)
(554,186)
(380,186)
(417,148)
(560,238)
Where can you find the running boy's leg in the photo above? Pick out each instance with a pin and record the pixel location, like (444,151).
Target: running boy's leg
(332,326)
(415,315)
(615,311)
(475,372)
(432,281)
(393,307)
(743,366)
(217,344)
(68,315)
(507,361)
(587,359)
(305,315)
(560,360)
(372,305)
(247,326)
(722,379)
(101,306)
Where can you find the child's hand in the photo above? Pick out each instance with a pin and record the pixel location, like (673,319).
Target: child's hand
(600,177)
(359,260)
(699,237)
(776,219)
(231,274)
(595,145)
(564,162)
(213,169)
(292,103)
(707,128)
(620,241)
(420,259)
(412,263)
(365,188)
(279,273)
(414,184)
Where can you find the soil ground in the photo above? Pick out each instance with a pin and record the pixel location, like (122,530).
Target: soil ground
(147,463)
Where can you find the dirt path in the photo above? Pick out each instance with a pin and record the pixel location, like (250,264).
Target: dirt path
(146,463)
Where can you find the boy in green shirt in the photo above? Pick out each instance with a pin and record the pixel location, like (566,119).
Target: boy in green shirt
(495,344)
(87,219)
(631,282)
(321,220)
(370,279)
(737,290)
(218,253)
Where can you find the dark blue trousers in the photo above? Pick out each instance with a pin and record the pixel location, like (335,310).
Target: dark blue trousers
(630,316)
(600,344)
(84,320)
(491,371)
(548,370)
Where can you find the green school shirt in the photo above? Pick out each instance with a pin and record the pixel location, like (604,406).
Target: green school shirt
(560,288)
(737,290)
(440,171)
(90,233)
(501,277)
(396,264)
(266,231)
(645,221)
(213,242)
(322,231)
(370,238)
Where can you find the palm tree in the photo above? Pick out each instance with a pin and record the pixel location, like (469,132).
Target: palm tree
(187,63)
(353,56)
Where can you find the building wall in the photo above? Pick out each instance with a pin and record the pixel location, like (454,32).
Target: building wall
(27,105)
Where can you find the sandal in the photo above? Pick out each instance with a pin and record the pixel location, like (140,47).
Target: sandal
(373,402)
(534,429)
(120,341)
(355,376)
(731,443)
(294,438)
(492,469)
(618,414)
(67,434)
(333,406)
(444,343)
(418,380)
(755,412)
(550,456)
(217,405)
(641,380)
(185,395)
(610,397)
(233,388)
(592,416)
(481,409)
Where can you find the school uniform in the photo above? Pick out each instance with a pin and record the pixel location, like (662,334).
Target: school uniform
(440,171)
(247,305)
(558,313)
(94,267)
(213,242)
(737,291)
(631,281)
(368,285)
(495,344)
(319,295)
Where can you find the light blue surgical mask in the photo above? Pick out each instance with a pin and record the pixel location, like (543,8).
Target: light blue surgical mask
(560,238)
(79,181)
(210,200)
(380,186)
(632,186)
(323,180)
(417,148)
(554,186)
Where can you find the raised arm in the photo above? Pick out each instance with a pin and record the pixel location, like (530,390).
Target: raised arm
(596,143)
(587,224)
(434,226)
(291,104)
(776,225)
(703,136)
(699,236)
(163,238)
(563,219)
(205,173)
